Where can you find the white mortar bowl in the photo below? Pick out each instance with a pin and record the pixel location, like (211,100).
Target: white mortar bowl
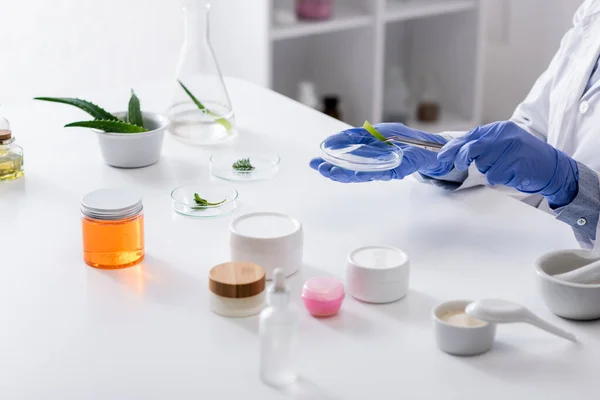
(568,300)
(134,150)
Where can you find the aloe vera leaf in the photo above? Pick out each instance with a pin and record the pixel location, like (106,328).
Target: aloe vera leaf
(109,126)
(134,112)
(90,108)
(194,99)
(226,124)
(371,129)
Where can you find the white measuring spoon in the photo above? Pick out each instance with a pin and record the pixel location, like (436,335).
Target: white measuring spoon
(589,273)
(503,311)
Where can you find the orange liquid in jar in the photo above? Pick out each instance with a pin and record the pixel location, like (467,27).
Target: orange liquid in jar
(113,244)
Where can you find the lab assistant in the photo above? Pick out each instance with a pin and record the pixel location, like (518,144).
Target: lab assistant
(546,155)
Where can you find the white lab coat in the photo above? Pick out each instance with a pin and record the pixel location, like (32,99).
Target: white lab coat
(555,110)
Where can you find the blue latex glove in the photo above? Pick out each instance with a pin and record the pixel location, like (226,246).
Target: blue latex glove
(414,159)
(510,156)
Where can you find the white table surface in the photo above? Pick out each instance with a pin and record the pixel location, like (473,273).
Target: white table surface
(68,331)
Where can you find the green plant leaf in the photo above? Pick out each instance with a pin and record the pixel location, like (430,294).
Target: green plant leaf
(243,165)
(226,124)
(194,99)
(109,126)
(95,111)
(134,112)
(203,203)
(371,129)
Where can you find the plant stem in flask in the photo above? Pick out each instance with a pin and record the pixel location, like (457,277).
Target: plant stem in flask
(210,125)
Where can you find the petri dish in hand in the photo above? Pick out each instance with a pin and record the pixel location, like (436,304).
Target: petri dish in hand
(371,157)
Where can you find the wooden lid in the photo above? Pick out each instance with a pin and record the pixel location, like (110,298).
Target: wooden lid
(237,280)
(5,134)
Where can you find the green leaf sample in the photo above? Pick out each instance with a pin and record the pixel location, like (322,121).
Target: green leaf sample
(243,165)
(109,126)
(95,111)
(226,124)
(371,129)
(194,99)
(203,203)
(134,111)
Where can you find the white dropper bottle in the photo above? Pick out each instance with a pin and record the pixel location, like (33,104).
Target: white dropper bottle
(278,324)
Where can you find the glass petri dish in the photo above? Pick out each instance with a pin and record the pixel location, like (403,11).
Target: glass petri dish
(373,157)
(223,199)
(265,165)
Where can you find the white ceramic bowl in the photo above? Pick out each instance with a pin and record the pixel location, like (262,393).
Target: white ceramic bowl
(271,240)
(461,340)
(134,150)
(565,299)
(377,274)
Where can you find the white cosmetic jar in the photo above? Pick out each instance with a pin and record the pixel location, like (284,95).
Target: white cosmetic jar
(459,339)
(378,274)
(237,289)
(269,239)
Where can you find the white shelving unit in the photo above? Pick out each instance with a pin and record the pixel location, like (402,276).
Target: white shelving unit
(350,54)
(397,10)
(347,16)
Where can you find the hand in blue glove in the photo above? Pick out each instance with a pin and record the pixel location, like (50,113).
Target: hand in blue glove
(510,156)
(413,160)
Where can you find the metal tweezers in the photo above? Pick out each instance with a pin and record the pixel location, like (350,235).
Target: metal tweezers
(422,144)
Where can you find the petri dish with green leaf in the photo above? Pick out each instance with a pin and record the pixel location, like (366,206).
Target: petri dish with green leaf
(204,200)
(244,165)
(371,152)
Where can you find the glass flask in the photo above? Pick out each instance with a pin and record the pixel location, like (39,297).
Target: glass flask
(11,155)
(200,112)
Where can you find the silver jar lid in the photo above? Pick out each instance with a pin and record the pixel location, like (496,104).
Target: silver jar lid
(111,204)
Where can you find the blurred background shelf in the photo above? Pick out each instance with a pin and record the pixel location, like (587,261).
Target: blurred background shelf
(448,122)
(402,10)
(346,16)
(351,56)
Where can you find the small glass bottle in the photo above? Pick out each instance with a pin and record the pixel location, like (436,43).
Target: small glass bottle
(331,106)
(11,154)
(307,94)
(277,328)
(113,229)
(428,109)
(396,100)
(200,112)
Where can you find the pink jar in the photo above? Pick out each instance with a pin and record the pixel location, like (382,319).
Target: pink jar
(323,296)
(314,9)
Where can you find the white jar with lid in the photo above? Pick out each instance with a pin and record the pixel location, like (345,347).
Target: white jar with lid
(378,274)
(237,289)
(269,239)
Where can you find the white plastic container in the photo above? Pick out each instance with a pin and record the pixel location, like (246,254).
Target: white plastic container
(458,335)
(237,289)
(134,150)
(271,240)
(378,274)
